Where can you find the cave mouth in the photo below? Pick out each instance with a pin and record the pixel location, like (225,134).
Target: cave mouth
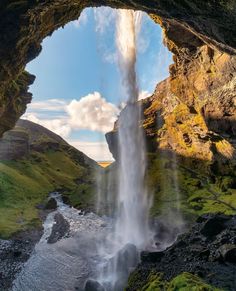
(78,91)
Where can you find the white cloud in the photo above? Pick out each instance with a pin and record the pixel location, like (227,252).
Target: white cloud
(48,105)
(104,18)
(92,112)
(144,95)
(110,57)
(97,151)
(59,126)
(83,19)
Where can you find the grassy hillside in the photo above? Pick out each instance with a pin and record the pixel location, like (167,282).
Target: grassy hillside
(51,164)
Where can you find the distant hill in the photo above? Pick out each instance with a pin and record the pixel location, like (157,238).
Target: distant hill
(35,161)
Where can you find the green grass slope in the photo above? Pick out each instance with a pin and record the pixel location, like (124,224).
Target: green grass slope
(51,164)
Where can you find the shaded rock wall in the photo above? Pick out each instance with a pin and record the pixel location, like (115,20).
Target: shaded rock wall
(14,145)
(24,24)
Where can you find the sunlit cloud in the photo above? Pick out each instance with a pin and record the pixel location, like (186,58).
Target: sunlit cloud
(144,95)
(59,126)
(92,112)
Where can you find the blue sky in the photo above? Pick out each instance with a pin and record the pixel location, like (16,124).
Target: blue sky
(78,90)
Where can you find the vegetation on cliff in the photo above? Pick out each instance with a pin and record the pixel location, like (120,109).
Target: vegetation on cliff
(177,187)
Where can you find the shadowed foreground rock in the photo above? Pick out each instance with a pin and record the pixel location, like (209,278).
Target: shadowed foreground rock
(14,253)
(207,252)
(92,285)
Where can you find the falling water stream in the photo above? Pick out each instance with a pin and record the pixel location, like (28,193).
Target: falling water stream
(131,232)
(133,205)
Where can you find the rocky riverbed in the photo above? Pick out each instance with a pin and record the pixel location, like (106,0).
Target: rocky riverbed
(13,254)
(66,253)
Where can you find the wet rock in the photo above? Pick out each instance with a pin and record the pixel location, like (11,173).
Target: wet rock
(127,258)
(228,253)
(92,285)
(51,204)
(59,229)
(123,262)
(151,257)
(214,225)
(207,249)
(14,253)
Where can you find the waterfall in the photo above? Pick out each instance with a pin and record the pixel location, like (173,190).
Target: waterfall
(133,206)
(130,234)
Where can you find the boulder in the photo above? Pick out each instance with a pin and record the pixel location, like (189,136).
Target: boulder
(228,253)
(214,225)
(149,257)
(127,258)
(59,229)
(92,285)
(51,204)
(14,145)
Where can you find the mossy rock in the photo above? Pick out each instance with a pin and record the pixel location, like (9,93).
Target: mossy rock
(183,282)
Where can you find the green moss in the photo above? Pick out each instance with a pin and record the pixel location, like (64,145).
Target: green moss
(186,189)
(182,282)
(155,282)
(189,282)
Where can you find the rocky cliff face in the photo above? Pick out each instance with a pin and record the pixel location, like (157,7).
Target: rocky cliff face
(14,145)
(189,123)
(199,33)
(193,112)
